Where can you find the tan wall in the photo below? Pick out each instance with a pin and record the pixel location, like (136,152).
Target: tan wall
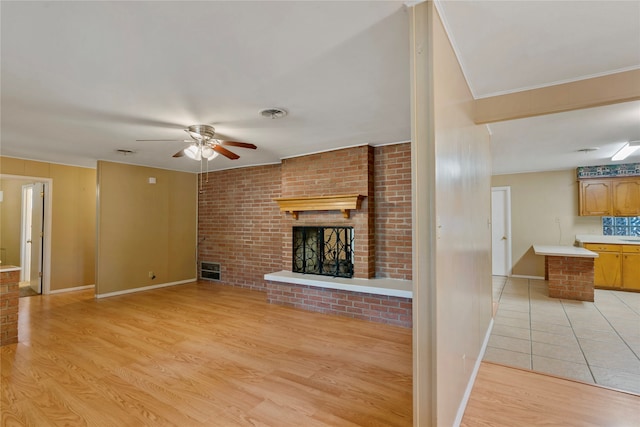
(144,227)
(73,219)
(544,211)
(452,198)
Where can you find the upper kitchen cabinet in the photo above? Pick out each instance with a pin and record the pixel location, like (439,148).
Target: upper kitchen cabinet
(595,197)
(626,197)
(610,197)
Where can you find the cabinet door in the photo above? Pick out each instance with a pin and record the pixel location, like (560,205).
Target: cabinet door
(608,270)
(626,197)
(595,197)
(631,267)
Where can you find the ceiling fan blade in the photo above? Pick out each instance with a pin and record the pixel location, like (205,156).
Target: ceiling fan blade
(238,144)
(179,153)
(220,149)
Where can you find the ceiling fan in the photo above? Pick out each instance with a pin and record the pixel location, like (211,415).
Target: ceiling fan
(203,145)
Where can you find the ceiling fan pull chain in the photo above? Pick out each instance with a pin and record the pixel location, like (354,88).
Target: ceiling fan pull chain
(201,188)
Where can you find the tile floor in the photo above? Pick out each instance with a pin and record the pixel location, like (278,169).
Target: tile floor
(595,342)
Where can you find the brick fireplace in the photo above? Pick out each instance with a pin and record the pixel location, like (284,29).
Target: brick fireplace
(241,228)
(332,174)
(327,174)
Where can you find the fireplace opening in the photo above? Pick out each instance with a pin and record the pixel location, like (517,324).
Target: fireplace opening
(326,251)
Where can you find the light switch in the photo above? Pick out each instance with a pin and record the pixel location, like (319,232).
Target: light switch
(152,180)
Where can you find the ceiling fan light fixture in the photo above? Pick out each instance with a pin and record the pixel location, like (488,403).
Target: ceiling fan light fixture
(207,152)
(626,150)
(193,152)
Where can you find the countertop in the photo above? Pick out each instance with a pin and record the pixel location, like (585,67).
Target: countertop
(612,240)
(7,268)
(568,251)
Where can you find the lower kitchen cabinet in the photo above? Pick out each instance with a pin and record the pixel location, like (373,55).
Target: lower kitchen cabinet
(608,265)
(631,267)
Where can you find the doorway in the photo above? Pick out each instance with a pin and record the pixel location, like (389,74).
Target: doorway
(32,238)
(501,231)
(25,224)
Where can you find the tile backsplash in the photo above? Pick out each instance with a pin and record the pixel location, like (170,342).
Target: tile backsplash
(621,226)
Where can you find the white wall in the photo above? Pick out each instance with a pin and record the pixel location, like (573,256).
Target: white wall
(452,211)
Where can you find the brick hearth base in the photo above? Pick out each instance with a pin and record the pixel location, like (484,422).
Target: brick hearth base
(391,310)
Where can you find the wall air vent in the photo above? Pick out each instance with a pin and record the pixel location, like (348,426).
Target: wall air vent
(210,270)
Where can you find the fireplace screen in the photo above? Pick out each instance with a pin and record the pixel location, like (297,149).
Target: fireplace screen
(323,250)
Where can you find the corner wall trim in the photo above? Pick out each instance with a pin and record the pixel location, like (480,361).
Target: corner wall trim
(77,288)
(472,379)
(145,288)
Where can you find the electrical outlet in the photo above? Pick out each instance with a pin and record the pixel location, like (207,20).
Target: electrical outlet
(151,275)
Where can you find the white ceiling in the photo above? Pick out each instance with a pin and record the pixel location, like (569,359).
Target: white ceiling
(82,79)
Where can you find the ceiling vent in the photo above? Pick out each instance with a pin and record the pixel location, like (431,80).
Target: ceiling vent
(273,113)
(125,152)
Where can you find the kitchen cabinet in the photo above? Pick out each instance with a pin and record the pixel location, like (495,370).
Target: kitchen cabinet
(610,197)
(617,266)
(626,197)
(631,267)
(595,197)
(608,265)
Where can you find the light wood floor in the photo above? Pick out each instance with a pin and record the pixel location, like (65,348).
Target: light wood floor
(200,355)
(206,355)
(505,397)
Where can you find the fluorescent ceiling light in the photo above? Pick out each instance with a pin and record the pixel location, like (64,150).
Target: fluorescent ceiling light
(626,150)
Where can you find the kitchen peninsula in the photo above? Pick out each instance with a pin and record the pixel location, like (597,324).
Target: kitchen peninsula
(9,294)
(569,270)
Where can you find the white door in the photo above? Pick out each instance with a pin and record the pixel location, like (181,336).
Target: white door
(37,235)
(25,241)
(501,231)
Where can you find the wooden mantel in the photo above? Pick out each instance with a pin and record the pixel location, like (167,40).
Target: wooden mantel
(343,203)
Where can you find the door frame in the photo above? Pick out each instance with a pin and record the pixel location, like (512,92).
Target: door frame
(46,241)
(507,210)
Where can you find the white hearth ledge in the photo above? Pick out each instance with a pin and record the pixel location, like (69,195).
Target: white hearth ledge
(382,286)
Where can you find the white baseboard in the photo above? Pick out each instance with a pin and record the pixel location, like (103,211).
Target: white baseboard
(472,379)
(77,288)
(522,276)
(145,288)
